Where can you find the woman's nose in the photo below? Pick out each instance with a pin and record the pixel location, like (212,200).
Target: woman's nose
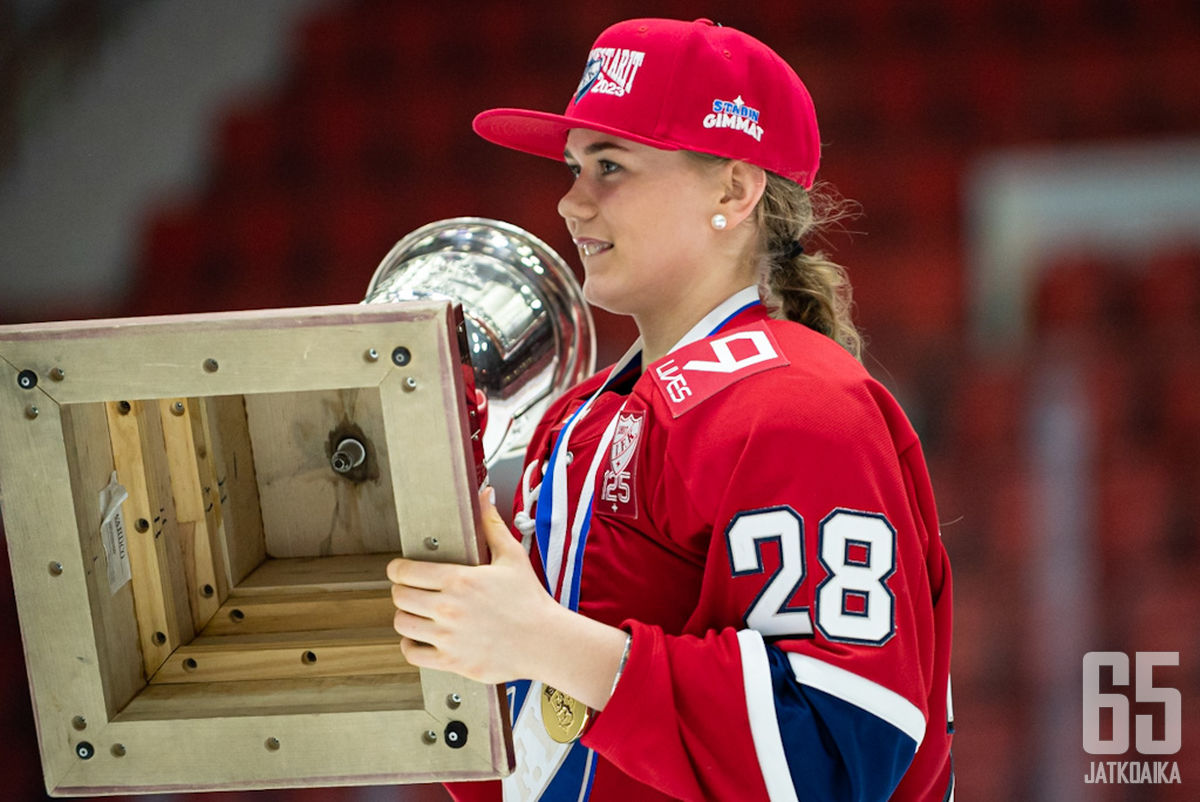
(576,204)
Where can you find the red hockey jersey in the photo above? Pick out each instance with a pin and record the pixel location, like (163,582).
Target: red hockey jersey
(763,525)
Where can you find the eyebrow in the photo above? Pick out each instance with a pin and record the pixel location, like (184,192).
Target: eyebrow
(596,147)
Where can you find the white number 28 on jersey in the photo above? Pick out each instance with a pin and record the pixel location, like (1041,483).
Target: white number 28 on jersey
(857,551)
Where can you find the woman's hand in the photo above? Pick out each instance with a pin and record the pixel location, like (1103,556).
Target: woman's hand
(495,623)
(478,621)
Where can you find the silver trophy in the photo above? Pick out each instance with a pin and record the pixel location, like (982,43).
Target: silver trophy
(529,332)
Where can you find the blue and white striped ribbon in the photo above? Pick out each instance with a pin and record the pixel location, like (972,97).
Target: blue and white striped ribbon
(547,770)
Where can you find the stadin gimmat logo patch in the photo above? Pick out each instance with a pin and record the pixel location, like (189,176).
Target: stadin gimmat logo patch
(609,71)
(734,114)
(618,492)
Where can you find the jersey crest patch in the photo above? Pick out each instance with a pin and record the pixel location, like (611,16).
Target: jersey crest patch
(618,486)
(704,368)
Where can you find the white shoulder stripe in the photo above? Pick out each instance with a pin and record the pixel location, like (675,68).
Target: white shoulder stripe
(764,727)
(724,309)
(861,692)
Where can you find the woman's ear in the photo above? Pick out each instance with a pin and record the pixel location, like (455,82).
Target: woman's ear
(744,185)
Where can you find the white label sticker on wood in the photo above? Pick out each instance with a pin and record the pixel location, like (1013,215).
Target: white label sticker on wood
(112,534)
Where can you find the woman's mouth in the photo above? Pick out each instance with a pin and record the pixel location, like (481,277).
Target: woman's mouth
(591,247)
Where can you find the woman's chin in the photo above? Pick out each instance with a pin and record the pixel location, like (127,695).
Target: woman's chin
(602,297)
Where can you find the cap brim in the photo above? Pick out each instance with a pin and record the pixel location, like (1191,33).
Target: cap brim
(544,134)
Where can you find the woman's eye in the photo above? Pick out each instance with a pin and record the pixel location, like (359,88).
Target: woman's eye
(603,167)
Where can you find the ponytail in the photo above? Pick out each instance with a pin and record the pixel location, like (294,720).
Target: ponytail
(808,288)
(797,285)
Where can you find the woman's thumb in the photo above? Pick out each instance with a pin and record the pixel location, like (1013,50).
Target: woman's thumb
(499,537)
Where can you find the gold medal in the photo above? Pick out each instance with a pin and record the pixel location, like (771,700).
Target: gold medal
(564,717)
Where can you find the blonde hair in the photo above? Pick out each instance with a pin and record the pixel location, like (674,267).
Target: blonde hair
(803,286)
(807,287)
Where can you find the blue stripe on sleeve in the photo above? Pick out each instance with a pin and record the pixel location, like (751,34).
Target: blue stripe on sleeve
(835,750)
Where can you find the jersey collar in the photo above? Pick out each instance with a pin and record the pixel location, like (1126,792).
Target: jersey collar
(719,317)
(630,365)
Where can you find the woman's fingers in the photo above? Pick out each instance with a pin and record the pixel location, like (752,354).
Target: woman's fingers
(424,603)
(415,627)
(418,574)
(418,653)
(479,621)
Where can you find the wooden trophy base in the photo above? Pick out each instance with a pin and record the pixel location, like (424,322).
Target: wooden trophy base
(198,547)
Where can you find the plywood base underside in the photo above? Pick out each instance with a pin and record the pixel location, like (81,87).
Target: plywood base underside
(248,641)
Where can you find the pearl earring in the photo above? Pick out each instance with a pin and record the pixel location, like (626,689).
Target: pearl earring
(718,221)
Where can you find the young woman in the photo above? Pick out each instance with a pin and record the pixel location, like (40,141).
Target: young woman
(737,589)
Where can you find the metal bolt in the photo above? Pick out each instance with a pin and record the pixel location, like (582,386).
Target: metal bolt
(372,355)
(32,411)
(453,701)
(410,383)
(118,750)
(429,737)
(58,374)
(431,543)
(273,744)
(177,408)
(211,365)
(456,735)
(401,356)
(124,407)
(349,455)
(56,568)
(79,723)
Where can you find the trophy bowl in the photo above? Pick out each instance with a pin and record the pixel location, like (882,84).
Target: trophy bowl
(529,333)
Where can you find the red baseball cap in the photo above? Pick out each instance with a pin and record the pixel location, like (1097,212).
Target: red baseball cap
(679,86)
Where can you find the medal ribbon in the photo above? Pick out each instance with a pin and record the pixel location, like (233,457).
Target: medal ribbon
(547,770)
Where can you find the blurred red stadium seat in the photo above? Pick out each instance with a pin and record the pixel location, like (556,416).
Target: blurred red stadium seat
(1133,510)
(986,415)
(335,128)
(260,232)
(321,47)
(991,736)
(900,91)
(249,143)
(1075,294)
(1180,407)
(997,77)
(1164,614)
(1007,502)
(1116,398)
(973,628)
(173,247)
(1166,293)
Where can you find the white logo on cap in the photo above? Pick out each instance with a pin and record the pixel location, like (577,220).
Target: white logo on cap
(734,114)
(610,71)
